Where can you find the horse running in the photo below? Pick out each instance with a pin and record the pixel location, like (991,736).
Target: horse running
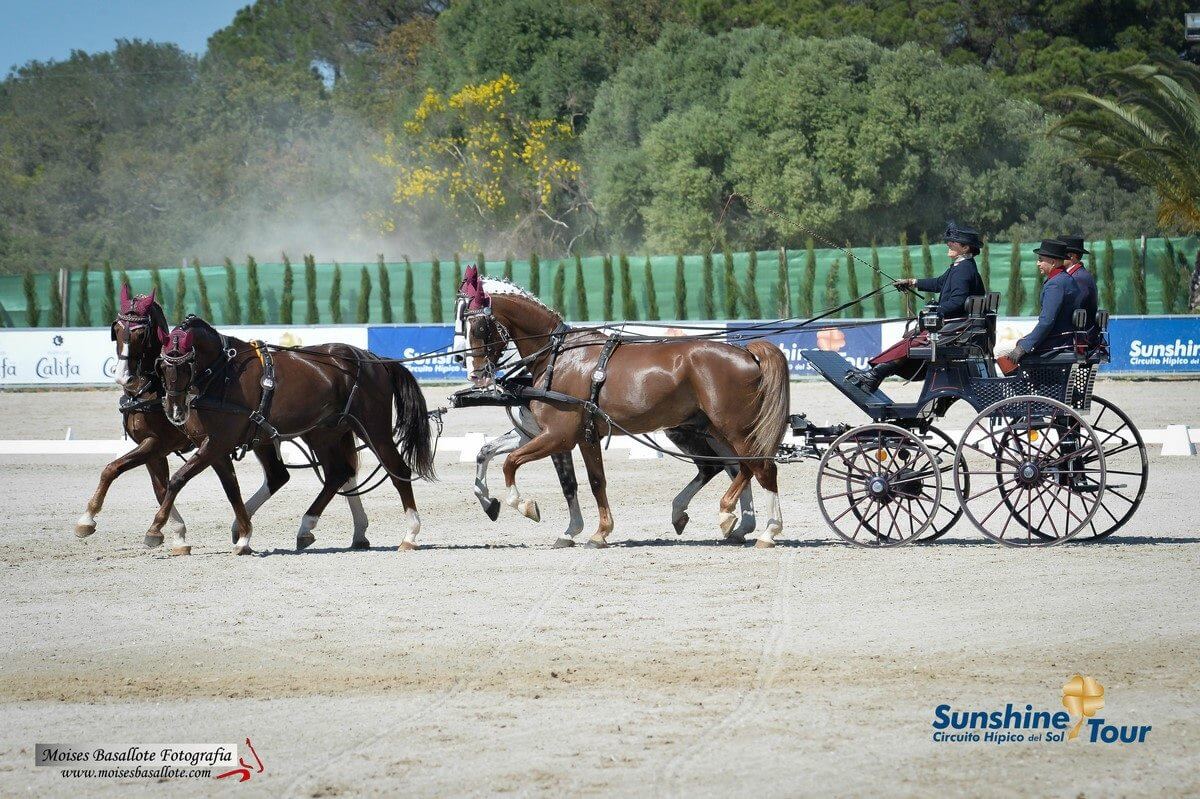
(737,396)
(228,394)
(139,332)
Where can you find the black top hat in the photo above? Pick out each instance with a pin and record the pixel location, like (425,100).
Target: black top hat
(1052,248)
(1074,244)
(962,235)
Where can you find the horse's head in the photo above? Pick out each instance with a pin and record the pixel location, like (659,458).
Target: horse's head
(139,332)
(178,368)
(477,332)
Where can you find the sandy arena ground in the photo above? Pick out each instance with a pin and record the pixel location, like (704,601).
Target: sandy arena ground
(489,663)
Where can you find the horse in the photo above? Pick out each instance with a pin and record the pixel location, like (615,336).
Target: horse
(324,395)
(738,396)
(139,332)
(687,441)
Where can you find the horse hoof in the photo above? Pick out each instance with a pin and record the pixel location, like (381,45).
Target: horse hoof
(304,541)
(595,543)
(764,543)
(84,530)
(152,541)
(530,510)
(562,542)
(187,550)
(361,543)
(681,523)
(244,550)
(492,509)
(726,521)
(406,546)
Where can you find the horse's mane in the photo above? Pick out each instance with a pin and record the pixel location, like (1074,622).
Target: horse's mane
(194,321)
(503,286)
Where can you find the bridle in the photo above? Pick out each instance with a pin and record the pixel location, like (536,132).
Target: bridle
(131,322)
(495,331)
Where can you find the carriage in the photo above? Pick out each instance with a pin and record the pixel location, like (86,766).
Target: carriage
(1042,462)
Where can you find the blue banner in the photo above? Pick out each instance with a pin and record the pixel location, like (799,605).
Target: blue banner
(1158,344)
(405,341)
(856,344)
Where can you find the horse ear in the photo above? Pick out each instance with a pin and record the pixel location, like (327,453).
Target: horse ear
(163,335)
(126,298)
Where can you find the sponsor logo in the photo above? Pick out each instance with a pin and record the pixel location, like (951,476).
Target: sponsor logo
(1178,353)
(1078,720)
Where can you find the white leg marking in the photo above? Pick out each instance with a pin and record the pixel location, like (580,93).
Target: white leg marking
(679,505)
(86,520)
(356,511)
(180,528)
(503,445)
(414,525)
(307,524)
(774,518)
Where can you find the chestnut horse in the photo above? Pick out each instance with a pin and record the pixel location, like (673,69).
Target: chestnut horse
(139,332)
(738,396)
(325,395)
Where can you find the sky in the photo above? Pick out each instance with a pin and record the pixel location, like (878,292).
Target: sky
(51,29)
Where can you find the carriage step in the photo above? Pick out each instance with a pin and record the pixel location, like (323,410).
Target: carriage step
(834,368)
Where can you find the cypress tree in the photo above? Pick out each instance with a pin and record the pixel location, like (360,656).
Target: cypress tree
(1108,282)
(783,297)
(877,283)
(1037,292)
(312,315)
(108,307)
(202,288)
(508,267)
(156,287)
(628,305)
(233,307)
(364,297)
(1016,287)
(907,300)
(608,288)
(287,297)
(855,310)
(125,279)
(832,298)
(730,284)
(33,309)
(581,306)
(985,268)
(385,290)
(1138,275)
(458,273)
(410,307)
(435,289)
(805,299)
(560,289)
(83,314)
(335,295)
(179,305)
(926,256)
(480,264)
(707,290)
(56,309)
(750,295)
(535,275)
(1169,277)
(1091,267)
(254,300)
(651,294)
(680,288)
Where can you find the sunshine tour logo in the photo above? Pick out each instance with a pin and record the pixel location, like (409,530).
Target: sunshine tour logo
(1082,699)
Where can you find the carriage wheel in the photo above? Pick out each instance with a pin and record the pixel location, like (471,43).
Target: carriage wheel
(1029,472)
(948,511)
(878,485)
(1126,467)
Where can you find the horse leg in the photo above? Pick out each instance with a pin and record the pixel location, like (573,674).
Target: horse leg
(201,459)
(130,460)
(275,477)
(705,472)
(338,469)
(223,466)
(564,466)
(159,475)
(359,540)
(745,499)
(543,445)
(767,474)
(593,460)
(725,517)
(500,446)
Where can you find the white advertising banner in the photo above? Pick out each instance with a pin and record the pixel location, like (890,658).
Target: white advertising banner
(87,356)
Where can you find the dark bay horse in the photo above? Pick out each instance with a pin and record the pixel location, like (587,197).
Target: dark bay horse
(215,385)
(139,332)
(737,396)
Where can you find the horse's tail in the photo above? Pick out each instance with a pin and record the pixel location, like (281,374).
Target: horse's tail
(774,399)
(413,436)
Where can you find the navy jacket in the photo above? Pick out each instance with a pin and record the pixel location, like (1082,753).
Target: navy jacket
(1060,298)
(1088,300)
(954,286)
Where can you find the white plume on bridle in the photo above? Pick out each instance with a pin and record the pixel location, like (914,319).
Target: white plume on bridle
(496,285)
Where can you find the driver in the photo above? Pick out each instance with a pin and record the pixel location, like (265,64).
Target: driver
(953,286)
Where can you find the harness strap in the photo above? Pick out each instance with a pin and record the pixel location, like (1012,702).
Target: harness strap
(258,417)
(556,344)
(598,377)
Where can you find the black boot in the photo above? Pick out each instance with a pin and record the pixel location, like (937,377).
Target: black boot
(869,379)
